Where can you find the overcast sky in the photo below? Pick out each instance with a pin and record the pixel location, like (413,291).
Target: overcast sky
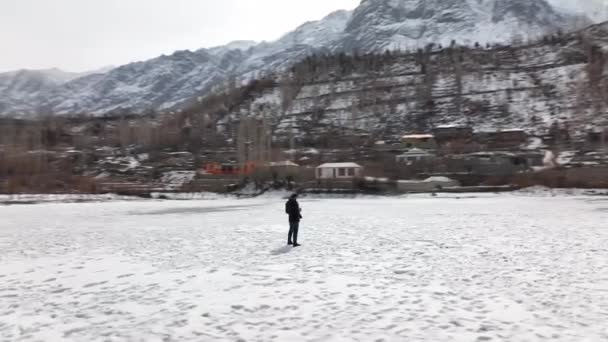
(79,35)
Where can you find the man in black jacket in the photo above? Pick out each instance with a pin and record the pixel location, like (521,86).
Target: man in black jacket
(292,208)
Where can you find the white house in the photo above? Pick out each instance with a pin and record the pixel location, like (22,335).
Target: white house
(339,171)
(415,155)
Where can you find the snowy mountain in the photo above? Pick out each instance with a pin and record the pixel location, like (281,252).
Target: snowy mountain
(22,91)
(530,87)
(165,82)
(391,24)
(21,88)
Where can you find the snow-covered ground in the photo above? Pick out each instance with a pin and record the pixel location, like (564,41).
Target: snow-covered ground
(63,198)
(419,268)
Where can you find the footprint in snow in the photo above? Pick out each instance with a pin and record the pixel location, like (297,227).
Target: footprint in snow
(125,275)
(95,284)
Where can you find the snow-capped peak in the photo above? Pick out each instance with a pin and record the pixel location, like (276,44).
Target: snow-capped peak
(318,33)
(241,45)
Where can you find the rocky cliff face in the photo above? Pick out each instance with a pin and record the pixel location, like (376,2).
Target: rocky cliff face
(390,24)
(165,82)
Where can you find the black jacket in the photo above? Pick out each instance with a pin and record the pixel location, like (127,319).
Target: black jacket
(292,208)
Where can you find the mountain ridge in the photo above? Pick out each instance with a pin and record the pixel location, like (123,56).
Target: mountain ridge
(162,83)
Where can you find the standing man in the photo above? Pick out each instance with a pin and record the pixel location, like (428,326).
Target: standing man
(292,208)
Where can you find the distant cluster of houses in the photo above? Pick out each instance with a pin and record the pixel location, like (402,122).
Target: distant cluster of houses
(445,157)
(460,149)
(283,169)
(457,139)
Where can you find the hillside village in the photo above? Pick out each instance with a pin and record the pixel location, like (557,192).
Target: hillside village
(439,118)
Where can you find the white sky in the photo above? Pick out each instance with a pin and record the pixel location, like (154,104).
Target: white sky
(79,35)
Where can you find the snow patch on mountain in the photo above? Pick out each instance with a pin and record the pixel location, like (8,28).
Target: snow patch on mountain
(596,10)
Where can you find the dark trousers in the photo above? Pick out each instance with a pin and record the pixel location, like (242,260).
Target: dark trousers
(293,232)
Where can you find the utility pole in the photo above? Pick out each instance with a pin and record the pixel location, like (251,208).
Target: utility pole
(604,128)
(292,139)
(267,139)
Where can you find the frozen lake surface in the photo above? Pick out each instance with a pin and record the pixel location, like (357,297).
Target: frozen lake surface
(480,268)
